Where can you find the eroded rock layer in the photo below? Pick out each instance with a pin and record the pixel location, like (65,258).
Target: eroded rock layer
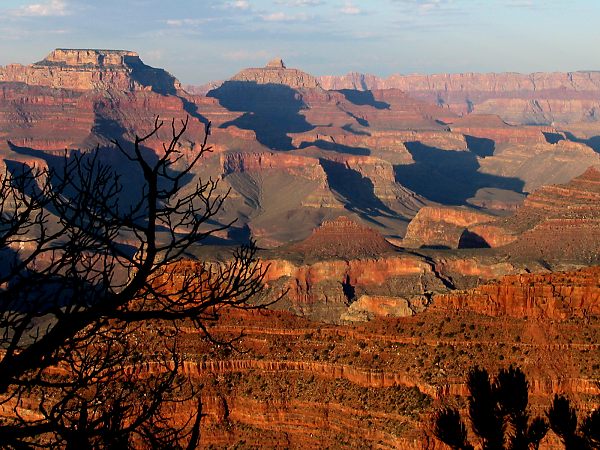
(343,238)
(91,69)
(522,98)
(556,296)
(302,384)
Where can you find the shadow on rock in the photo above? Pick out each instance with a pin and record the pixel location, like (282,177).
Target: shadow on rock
(447,176)
(358,192)
(335,147)
(363,98)
(272,111)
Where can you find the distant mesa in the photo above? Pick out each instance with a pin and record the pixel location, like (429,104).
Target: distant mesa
(276,72)
(89,57)
(277,63)
(343,238)
(92,69)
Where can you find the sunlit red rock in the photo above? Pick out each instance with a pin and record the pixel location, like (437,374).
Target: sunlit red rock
(554,296)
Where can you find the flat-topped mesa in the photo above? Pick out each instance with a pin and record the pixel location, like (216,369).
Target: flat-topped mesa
(89,57)
(277,63)
(276,72)
(92,69)
(343,238)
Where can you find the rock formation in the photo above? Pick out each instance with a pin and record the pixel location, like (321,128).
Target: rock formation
(343,238)
(554,296)
(275,72)
(355,353)
(521,98)
(381,154)
(560,222)
(442,227)
(89,69)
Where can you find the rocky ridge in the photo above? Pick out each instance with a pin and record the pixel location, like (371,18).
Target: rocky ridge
(275,72)
(553,296)
(343,238)
(90,69)
(522,98)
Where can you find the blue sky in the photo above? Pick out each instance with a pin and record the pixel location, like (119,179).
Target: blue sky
(202,40)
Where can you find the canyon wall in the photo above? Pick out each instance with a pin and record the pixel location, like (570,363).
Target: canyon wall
(521,98)
(555,296)
(91,69)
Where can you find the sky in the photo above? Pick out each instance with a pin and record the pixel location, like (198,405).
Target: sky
(203,40)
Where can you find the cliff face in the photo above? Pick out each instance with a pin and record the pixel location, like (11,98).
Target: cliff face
(490,126)
(555,222)
(301,384)
(277,73)
(83,70)
(343,238)
(442,227)
(507,83)
(522,98)
(292,153)
(540,164)
(560,222)
(555,296)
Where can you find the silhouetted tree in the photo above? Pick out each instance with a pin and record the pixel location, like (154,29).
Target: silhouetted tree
(87,294)
(498,412)
(563,421)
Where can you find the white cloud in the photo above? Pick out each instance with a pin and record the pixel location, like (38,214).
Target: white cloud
(283,17)
(350,9)
(154,55)
(239,4)
(185,22)
(300,2)
(44,9)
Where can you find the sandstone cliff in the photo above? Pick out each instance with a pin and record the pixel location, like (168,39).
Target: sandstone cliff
(443,227)
(555,296)
(92,69)
(275,72)
(522,98)
(560,222)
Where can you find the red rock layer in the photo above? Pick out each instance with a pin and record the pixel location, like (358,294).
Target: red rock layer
(276,73)
(560,221)
(301,383)
(523,98)
(441,226)
(555,296)
(343,238)
(89,69)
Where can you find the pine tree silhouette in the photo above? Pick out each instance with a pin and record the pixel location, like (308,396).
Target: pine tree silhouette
(497,412)
(563,421)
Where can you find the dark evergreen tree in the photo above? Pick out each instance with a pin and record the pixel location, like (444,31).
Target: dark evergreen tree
(563,421)
(498,412)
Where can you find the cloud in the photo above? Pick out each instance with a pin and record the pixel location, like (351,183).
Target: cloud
(283,17)
(239,4)
(185,22)
(350,9)
(44,9)
(154,54)
(300,2)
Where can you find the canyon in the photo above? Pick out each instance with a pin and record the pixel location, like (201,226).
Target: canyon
(410,227)
(540,98)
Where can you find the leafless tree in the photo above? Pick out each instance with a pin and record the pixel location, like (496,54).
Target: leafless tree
(86,275)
